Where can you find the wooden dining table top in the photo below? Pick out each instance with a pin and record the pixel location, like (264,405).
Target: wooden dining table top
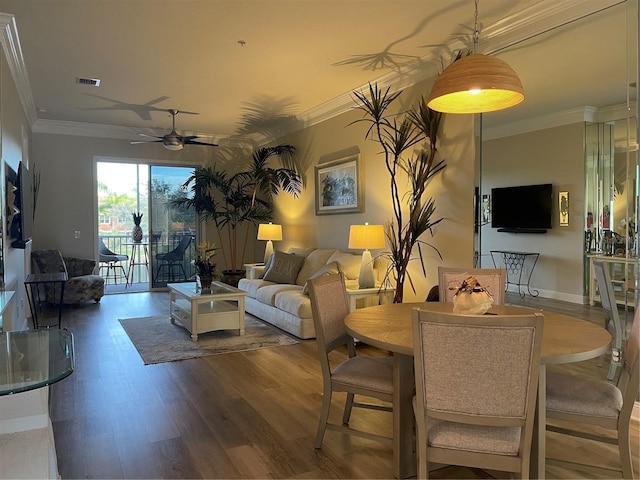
(565,339)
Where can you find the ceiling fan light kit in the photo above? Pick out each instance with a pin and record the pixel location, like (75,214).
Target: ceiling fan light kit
(476,83)
(172,140)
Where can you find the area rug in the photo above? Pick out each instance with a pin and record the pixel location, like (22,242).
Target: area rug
(158,340)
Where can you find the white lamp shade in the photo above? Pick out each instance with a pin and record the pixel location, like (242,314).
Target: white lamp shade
(364,237)
(269,231)
(475,84)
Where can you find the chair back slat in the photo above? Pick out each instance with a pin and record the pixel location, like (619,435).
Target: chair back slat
(492,279)
(608,301)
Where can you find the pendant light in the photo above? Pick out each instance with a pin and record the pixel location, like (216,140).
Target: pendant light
(476,83)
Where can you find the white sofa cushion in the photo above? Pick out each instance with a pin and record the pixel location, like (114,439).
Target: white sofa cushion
(314,262)
(329,269)
(267,294)
(251,285)
(349,263)
(294,302)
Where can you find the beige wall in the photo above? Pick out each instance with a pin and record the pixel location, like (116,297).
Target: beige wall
(554,155)
(453,190)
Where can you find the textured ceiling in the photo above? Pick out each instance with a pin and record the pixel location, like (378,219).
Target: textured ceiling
(246,65)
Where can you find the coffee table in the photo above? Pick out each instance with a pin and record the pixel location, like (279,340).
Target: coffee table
(221,309)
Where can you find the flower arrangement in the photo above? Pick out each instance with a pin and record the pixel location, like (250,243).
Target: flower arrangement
(471,298)
(204,264)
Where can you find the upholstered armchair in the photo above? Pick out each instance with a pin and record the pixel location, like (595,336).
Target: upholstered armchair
(82,285)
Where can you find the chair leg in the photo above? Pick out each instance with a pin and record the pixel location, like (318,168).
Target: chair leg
(324,417)
(348,405)
(624,445)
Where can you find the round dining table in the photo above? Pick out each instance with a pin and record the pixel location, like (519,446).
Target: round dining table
(565,339)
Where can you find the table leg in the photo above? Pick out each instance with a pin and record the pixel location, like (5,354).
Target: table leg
(538,444)
(404,453)
(60,303)
(33,306)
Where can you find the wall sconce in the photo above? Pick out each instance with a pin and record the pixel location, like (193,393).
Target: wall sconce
(269,232)
(365,237)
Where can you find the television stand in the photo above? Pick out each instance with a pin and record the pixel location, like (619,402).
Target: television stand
(519,267)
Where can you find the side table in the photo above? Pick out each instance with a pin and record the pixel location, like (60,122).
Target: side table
(32,284)
(519,267)
(378,293)
(137,258)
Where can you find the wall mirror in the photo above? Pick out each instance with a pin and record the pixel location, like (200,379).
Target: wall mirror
(585,88)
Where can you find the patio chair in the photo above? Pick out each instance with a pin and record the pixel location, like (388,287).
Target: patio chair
(171,260)
(112,262)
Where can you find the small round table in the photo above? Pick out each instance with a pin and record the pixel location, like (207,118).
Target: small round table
(136,258)
(565,340)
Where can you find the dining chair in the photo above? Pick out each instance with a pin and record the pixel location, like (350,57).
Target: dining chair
(476,384)
(358,375)
(611,316)
(493,279)
(585,402)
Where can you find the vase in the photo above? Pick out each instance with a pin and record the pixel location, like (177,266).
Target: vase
(232,277)
(205,282)
(137,233)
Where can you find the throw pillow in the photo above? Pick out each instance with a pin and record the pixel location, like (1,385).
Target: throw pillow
(284,267)
(348,262)
(266,266)
(329,269)
(314,262)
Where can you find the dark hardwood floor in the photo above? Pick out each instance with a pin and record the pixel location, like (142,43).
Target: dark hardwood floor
(239,415)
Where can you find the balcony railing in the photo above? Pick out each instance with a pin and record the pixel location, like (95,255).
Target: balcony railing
(139,272)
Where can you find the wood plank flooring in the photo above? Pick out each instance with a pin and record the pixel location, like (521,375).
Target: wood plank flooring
(240,415)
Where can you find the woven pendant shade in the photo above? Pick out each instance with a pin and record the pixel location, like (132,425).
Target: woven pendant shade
(476,84)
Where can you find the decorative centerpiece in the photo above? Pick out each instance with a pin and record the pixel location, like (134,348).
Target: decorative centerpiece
(205,267)
(471,298)
(136,232)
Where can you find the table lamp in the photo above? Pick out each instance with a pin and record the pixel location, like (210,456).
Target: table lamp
(269,232)
(365,237)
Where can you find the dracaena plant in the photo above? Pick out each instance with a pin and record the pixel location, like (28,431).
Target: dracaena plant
(409,147)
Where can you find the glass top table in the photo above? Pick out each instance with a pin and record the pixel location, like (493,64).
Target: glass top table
(34,358)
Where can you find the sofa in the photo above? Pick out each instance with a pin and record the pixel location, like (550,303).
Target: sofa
(83,285)
(277,291)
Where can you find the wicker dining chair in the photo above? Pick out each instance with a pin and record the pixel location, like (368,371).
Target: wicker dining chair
(358,375)
(476,386)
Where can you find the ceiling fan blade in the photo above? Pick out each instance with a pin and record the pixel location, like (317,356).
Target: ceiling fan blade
(150,136)
(145,141)
(194,142)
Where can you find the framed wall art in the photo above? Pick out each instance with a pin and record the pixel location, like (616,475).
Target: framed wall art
(338,186)
(563,208)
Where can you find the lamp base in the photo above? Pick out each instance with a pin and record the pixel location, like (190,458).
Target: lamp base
(366,278)
(268,251)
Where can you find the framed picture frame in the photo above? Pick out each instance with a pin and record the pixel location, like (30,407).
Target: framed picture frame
(339,187)
(563,208)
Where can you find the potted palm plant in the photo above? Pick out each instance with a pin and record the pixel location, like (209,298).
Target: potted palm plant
(235,201)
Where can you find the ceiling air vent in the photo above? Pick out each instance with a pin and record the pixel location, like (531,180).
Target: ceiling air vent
(92,82)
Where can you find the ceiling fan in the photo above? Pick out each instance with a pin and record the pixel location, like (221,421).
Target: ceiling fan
(173,141)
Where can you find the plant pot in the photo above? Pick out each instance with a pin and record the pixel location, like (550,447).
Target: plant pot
(204,283)
(232,277)
(137,234)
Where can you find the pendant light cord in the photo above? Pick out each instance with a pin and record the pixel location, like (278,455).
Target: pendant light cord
(476,33)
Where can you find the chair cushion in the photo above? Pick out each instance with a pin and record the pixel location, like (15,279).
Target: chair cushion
(284,267)
(329,269)
(349,263)
(573,394)
(474,438)
(314,262)
(372,373)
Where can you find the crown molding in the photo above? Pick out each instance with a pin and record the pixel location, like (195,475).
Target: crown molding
(541,17)
(556,119)
(15,60)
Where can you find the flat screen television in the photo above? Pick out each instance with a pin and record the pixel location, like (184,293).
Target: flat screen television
(525,208)
(22,228)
